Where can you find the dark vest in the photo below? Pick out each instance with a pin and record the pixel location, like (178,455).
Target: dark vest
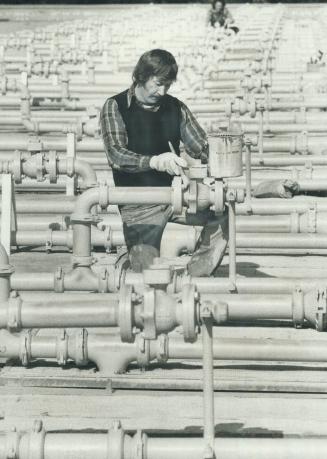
(148,134)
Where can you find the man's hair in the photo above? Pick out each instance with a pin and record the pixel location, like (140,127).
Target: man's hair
(223,3)
(157,62)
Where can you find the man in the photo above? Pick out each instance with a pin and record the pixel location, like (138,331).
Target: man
(219,15)
(142,128)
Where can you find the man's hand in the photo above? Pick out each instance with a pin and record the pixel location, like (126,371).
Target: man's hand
(168,162)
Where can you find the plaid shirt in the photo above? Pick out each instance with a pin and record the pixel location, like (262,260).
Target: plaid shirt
(115,138)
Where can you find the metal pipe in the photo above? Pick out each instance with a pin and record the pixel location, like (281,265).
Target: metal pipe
(110,354)
(208,386)
(232,240)
(94,445)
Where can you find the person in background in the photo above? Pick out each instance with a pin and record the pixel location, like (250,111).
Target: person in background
(220,16)
(142,128)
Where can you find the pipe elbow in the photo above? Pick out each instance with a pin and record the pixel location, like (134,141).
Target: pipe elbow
(87,200)
(176,239)
(86,172)
(29,125)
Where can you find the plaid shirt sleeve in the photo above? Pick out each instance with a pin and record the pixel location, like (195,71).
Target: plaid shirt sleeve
(115,140)
(193,136)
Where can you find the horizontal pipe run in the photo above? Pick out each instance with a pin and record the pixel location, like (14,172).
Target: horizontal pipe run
(95,445)
(280,241)
(42,313)
(109,353)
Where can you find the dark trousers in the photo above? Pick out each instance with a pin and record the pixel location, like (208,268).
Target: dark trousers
(143,227)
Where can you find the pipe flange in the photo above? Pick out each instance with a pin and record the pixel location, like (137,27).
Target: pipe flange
(139,445)
(103,195)
(217,197)
(62,348)
(14,319)
(321,316)
(81,356)
(228,108)
(107,239)
(12,444)
(302,145)
(298,307)
(52,161)
(26,348)
(312,218)
(177,195)
(189,308)
(38,158)
(116,441)
(162,348)
(192,205)
(142,351)
(37,440)
(125,315)
(17,167)
(295,222)
(149,314)
(58,281)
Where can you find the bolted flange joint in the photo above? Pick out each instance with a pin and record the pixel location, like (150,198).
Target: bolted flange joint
(190,313)
(321,311)
(125,315)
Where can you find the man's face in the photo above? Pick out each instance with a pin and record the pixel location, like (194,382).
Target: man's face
(153,90)
(218,6)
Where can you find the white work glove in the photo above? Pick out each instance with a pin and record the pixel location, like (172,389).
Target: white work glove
(168,162)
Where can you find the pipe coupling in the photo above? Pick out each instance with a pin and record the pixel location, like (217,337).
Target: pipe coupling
(36,440)
(12,444)
(17,167)
(116,441)
(14,312)
(321,312)
(298,308)
(26,348)
(58,281)
(62,348)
